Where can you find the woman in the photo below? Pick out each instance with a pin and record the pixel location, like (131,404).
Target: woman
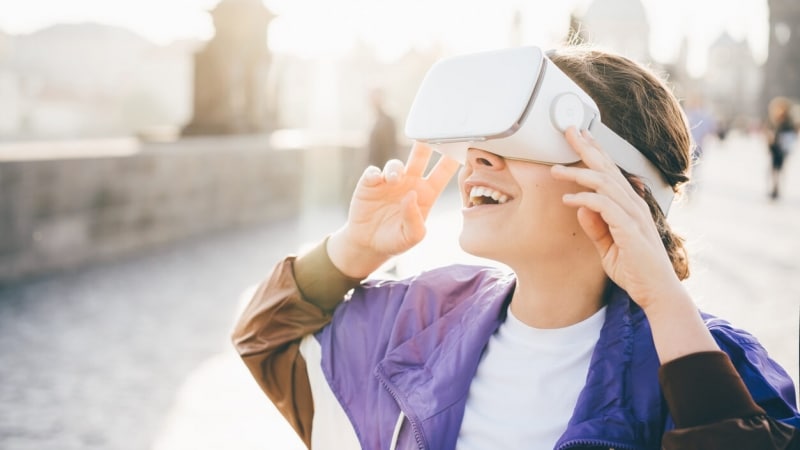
(577,347)
(781,137)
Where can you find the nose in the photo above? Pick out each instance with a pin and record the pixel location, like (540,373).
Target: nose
(483,159)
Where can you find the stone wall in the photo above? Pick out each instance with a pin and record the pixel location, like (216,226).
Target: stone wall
(59,212)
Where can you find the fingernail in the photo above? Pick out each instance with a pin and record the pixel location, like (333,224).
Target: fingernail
(568,197)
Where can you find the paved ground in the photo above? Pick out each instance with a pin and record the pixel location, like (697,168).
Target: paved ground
(134,354)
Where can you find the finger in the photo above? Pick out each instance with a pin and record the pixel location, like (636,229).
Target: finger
(413,224)
(608,160)
(393,171)
(371,176)
(623,234)
(589,178)
(589,137)
(418,159)
(443,172)
(610,212)
(603,183)
(596,229)
(594,157)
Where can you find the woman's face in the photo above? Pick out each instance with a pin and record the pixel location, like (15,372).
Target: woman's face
(513,212)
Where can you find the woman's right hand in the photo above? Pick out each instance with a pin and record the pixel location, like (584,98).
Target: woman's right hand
(388,211)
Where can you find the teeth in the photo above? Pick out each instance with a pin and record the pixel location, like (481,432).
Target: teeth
(477,192)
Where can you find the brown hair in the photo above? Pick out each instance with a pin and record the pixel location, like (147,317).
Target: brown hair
(638,105)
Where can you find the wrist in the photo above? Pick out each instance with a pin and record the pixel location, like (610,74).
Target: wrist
(350,258)
(677,326)
(670,300)
(319,281)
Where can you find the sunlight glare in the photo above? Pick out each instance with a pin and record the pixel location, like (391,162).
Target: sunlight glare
(330,29)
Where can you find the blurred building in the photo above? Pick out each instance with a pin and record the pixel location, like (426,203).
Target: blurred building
(732,83)
(515,29)
(10,107)
(331,95)
(620,25)
(79,80)
(782,69)
(231,73)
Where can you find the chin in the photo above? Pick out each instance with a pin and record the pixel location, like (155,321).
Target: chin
(476,244)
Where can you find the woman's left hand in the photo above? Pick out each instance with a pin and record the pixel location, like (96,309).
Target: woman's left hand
(618,221)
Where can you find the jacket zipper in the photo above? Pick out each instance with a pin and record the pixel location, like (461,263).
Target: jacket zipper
(417,436)
(591,443)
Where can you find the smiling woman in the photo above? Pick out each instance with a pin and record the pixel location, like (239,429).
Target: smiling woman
(589,339)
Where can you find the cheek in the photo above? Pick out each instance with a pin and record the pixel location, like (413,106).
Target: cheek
(564,187)
(544,205)
(462,175)
(544,190)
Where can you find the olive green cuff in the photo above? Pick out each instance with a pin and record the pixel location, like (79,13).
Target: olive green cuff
(320,282)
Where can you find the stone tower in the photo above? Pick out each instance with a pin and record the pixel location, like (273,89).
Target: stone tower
(230,79)
(782,69)
(733,81)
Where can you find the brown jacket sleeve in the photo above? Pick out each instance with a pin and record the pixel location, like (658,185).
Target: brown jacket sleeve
(713,409)
(296,300)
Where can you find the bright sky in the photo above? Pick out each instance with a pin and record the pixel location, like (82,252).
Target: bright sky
(329,27)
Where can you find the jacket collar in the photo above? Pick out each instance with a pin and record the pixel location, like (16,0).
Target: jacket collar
(620,406)
(432,371)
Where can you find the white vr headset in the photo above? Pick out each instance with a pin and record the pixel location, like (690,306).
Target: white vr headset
(516,103)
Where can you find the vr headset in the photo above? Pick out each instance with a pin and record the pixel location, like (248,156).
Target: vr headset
(516,103)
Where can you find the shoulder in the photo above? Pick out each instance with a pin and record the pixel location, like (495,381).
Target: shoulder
(451,281)
(430,293)
(738,343)
(768,382)
(461,275)
(458,280)
(727,334)
(381,315)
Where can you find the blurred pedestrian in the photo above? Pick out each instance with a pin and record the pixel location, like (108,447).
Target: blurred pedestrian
(702,123)
(702,126)
(382,145)
(589,341)
(781,138)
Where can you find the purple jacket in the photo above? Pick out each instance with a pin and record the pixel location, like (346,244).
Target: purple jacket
(414,345)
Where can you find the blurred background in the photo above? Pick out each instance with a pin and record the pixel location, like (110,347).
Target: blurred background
(157,157)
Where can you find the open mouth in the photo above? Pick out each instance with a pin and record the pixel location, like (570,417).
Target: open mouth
(481,195)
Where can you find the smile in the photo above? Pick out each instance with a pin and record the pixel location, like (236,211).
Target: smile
(482,195)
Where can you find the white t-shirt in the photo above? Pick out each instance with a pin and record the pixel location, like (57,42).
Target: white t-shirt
(527,385)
